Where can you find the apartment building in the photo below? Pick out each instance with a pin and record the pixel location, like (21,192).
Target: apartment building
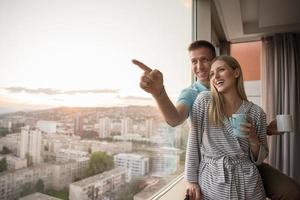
(70,154)
(65,173)
(11,183)
(55,175)
(99,186)
(138,165)
(12,142)
(31,144)
(14,163)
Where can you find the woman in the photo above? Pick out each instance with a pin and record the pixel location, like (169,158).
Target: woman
(220,165)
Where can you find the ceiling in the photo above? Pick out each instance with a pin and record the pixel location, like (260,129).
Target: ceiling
(249,20)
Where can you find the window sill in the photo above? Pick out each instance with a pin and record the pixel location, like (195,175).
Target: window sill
(174,190)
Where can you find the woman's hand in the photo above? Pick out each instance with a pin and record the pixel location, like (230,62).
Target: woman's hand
(251,136)
(194,192)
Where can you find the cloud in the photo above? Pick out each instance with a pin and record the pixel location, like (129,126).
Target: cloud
(137,98)
(50,91)
(99,91)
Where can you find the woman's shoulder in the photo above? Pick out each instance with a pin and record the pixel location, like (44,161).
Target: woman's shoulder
(255,109)
(204,96)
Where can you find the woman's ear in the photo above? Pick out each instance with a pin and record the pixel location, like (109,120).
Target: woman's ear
(237,72)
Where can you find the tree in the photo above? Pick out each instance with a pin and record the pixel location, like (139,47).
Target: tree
(128,190)
(89,150)
(61,194)
(3,165)
(99,162)
(26,189)
(5,150)
(39,186)
(3,131)
(16,128)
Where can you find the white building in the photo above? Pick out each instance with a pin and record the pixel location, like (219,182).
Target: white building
(111,147)
(67,172)
(47,126)
(126,125)
(70,154)
(98,186)
(14,163)
(31,144)
(12,142)
(11,183)
(164,161)
(55,175)
(138,165)
(149,128)
(131,137)
(104,127)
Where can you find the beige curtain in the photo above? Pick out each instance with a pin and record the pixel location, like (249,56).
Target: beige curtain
(281,95)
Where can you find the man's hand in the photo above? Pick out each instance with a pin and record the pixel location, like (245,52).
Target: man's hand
(193,190)
(151,80)
(272,128)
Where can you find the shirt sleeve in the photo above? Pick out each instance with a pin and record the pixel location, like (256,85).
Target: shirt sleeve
(187,97)
(261,131)
(193,154)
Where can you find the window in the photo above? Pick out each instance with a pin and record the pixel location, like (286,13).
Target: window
(69,64)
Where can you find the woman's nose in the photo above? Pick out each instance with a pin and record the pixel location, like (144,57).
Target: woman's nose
(216,75)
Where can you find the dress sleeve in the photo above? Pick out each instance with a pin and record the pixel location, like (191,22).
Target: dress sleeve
(193,154)
(261,131)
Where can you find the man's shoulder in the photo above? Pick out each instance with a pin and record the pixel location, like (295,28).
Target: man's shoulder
(195,88)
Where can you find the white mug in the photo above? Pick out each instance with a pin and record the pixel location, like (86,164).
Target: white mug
(284,123)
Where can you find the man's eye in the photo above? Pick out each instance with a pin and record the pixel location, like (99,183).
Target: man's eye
(204,60)
(194,62)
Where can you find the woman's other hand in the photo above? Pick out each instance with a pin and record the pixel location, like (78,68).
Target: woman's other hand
(194,192)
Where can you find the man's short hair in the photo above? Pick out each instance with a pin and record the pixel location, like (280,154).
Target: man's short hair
(202,44)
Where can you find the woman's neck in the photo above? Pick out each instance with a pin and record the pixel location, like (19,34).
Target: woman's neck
(232,102)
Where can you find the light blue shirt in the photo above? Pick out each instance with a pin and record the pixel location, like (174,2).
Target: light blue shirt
(189,94)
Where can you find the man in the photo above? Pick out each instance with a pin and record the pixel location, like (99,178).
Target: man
(277,185)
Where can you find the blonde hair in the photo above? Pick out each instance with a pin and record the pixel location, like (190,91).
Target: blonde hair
(216,115)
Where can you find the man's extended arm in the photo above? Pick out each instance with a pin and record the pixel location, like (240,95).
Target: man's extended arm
(152,82)
(173,115)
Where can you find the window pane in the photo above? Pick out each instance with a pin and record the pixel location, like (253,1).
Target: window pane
(67,66)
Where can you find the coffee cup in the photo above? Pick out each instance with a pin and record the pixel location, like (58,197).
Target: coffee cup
(236,120)
(284,123)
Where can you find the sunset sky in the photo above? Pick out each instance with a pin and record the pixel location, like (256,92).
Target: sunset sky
(78,53)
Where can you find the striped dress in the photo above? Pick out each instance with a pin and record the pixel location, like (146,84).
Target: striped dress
(221,163)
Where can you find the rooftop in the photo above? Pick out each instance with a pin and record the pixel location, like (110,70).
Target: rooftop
(98,177)
(38,196)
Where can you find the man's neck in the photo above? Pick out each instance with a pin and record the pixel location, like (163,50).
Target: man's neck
(205,83)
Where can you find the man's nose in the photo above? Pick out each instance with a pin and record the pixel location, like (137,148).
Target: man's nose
(200,65)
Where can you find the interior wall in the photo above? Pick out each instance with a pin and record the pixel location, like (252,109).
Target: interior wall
(248,54)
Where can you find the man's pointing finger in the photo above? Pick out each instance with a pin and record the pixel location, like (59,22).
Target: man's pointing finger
(141,65)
